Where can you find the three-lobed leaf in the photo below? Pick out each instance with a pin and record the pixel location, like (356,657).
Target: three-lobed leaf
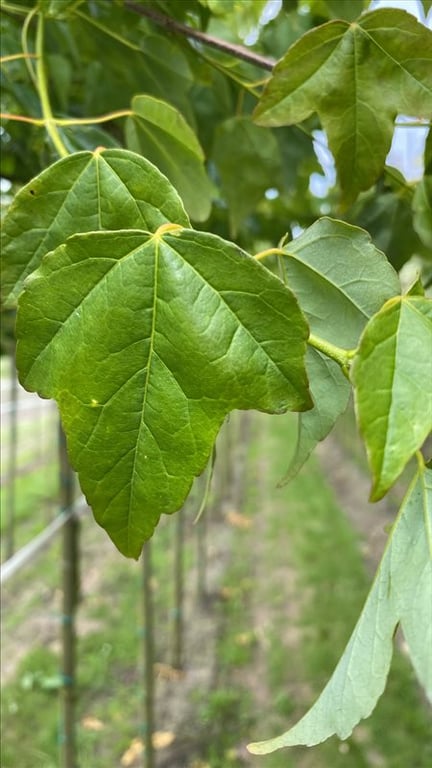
(147,342)
(392,375)
(87,191)
(397,595)
(357,76)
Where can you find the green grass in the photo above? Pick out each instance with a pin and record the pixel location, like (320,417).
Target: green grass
(304,532)
(307,528)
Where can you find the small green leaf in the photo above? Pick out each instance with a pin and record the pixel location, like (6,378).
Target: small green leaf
(392,375)
(402,591)
(335,272)
(147,342)
(159,132)
(105,189)
(357,77)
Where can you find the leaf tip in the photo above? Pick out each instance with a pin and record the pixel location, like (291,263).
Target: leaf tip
(258,748)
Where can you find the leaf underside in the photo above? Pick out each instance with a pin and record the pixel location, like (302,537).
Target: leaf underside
(147,342)
(397,596)
(338,295)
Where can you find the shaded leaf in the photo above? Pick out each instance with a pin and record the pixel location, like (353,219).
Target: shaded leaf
(402,591)
(387,214)
(330,392)
(147,342)
(248,161)
(392,375)
(357,77)
(422,208)
(159,132)
(107,189)
(411,578)
(340,280)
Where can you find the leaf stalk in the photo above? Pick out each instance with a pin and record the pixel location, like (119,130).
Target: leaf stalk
(42,88)
(341,356)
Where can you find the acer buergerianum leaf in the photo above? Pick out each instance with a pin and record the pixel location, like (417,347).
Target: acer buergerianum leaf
(147,342)
(401,593)
(159,131)
(87,191)
(358,77)
(392,375)
(340,280)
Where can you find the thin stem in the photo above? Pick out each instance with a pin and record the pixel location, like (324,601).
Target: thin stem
(250,87)
(20,10)
(15,56)
(269,252)
(24,44)
(40,121)
(238,51)
(43,92)
(341,356)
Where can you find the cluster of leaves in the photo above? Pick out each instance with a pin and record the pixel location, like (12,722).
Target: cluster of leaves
(148,331)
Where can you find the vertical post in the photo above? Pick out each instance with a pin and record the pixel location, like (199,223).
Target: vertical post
(202,559)
(148,650)
(177,660)
(12,460)
(241,452)
(70,578)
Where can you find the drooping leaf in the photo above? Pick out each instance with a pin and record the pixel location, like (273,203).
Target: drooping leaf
(422,207)
(392,375)
(340,280)
(248,161)
(330,392)
(387,214)
(411,578)
(402,591)
(161,134)
(357,77)
(107,189)
(147,342)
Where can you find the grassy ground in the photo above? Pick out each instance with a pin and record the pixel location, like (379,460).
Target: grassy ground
(288,602)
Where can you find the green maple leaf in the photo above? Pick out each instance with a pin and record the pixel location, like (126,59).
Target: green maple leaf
(86,191)
(400,594)
(147,341)
(357,77)
(392,375)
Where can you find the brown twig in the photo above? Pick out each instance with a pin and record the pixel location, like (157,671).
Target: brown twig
(238,51)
